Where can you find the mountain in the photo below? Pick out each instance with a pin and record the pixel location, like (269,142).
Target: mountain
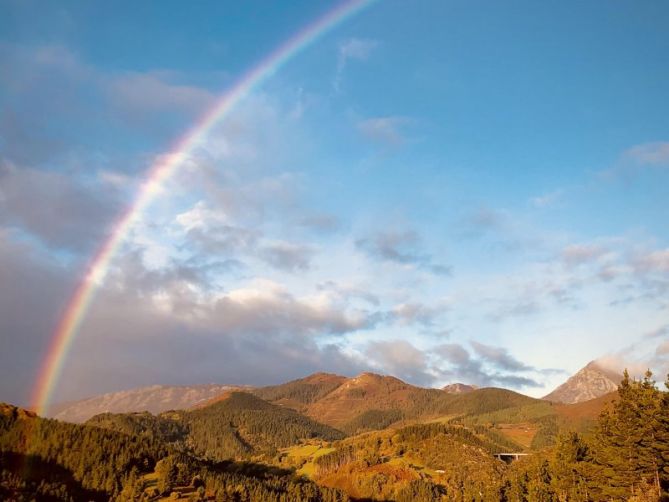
(372,402)
(405,443)
(297,394)
(367,392)
(458,388)
(588,383)
(50,460)
(154,399)
(243,424)
(366,402)
(237,425)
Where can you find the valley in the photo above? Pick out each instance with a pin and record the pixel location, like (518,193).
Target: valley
(331,438)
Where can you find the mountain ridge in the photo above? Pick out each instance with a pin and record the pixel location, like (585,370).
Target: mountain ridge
(590,382)
(459,388)
(154,399)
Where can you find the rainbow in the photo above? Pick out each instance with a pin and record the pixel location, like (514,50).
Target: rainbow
(161,171)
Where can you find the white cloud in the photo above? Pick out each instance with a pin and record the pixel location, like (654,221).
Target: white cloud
(357,49)
(385,130)
(201,216)
(649,154)
(546,200)
(578,254)
(653,262)
(139,93)
(638,158)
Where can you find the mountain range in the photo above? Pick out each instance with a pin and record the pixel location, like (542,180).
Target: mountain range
(154,399)
(332,399)
(321,438)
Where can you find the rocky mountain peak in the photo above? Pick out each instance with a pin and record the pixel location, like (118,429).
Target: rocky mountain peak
(590,382)
(458,388)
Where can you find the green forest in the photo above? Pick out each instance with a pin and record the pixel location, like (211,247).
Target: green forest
(244,448)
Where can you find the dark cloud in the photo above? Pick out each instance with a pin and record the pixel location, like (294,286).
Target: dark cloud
(163,325)
(453,353)
(493,367)
(50,85)
(33,292)
(499,357)
(212,232)
(153,350)
(400,247)
(62,211)
(287,256)
(416,313)
(235,241)
(133,276)
(400,359)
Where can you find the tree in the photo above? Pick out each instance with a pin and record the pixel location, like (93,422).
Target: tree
(571,468)
(628,440)
(167,472)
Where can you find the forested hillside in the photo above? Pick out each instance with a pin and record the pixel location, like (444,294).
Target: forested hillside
(243,425)
(95,459)
(236,426)
(620,455)
(301,392)
(51,460)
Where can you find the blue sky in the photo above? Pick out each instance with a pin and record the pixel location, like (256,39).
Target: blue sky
(443,191)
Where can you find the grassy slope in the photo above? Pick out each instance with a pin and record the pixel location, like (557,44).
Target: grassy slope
(385,462)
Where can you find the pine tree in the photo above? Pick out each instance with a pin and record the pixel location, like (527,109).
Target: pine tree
(662,442)
(571,467)
(628,440)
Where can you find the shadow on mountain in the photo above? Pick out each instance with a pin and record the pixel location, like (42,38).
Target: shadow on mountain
(25,476)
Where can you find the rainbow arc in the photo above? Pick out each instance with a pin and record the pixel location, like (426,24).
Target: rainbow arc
(158,174)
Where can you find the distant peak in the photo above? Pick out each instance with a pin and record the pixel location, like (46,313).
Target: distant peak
(609,370)
(458,388)
(592,381)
